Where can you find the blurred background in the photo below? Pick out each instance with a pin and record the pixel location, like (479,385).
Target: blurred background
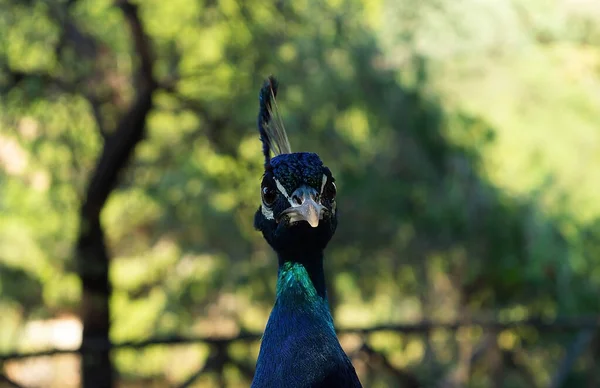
(464,136)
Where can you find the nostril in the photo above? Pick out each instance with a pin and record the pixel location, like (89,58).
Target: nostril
(297,199)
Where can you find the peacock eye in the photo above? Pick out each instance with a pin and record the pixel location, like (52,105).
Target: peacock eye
(330,191)
(269,195)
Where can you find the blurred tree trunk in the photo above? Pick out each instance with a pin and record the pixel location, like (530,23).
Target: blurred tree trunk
(92,256)
(93,265)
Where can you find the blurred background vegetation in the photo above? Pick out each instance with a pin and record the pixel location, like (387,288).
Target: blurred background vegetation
(464,136)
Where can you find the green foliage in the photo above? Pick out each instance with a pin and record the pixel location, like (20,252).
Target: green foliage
(462,134)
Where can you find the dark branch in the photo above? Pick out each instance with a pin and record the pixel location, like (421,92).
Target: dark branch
(95,105)
(408,379)
(511,359)
(558,325)
(575,350)
(97,345)
(480,350)
(216,360)
(187,102)
(92,255)
(5,379)
(246,370)
(131,127)
(141,42)
(14,78)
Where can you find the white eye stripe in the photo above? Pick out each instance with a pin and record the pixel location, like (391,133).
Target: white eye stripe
(283,191)
(325,182)
(268,213)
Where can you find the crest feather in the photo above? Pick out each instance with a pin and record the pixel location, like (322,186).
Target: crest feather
(270,125)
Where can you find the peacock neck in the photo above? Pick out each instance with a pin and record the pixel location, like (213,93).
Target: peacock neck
(307,270)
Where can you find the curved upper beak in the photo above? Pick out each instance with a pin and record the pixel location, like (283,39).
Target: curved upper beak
(305,207)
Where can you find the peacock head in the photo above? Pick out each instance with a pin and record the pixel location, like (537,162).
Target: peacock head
(298,193)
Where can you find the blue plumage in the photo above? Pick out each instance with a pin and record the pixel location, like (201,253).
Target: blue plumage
(298,218)
(300,347)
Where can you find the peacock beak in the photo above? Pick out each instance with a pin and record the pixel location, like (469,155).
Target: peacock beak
(304,207)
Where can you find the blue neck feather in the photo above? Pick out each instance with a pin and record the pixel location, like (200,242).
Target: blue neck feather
(308,272)
(300,347)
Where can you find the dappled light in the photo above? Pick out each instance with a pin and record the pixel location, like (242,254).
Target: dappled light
(463,136)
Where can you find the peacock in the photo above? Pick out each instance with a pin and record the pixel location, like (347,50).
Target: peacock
(298,218)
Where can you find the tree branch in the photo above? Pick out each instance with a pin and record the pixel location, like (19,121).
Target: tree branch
(560,324)
(577,347)
(16,77)
(92,255)
(510,359)
(141,43)
(408,379)
(450,380)
(5,379)
(216,361)
(99,344)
